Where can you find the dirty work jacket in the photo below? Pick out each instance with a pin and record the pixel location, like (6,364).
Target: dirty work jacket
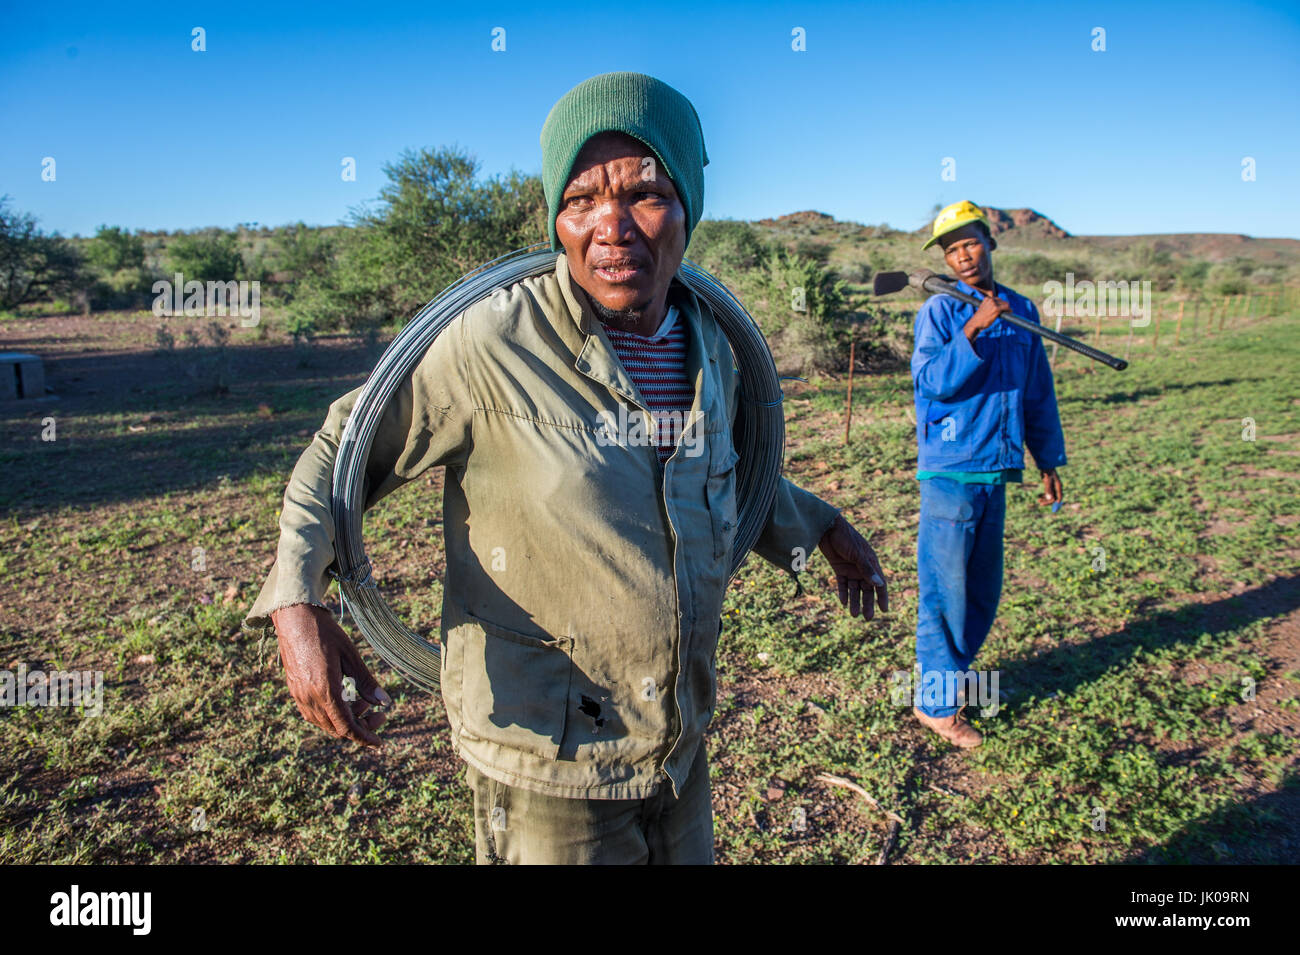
(584,583)
(979,405)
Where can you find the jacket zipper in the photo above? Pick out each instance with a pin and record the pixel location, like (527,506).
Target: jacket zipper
(662,770)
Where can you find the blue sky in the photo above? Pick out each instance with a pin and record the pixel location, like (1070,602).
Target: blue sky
(1147,136)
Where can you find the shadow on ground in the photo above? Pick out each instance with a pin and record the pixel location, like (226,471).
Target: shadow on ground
(1260,831)
(201,413)
(1066,667)
(1137,394)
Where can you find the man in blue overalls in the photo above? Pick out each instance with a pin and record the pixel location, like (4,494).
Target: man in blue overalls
(984,392)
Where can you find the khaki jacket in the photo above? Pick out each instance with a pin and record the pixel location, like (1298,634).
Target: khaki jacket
(584,583)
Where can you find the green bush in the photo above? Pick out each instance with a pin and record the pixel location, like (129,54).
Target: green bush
(1029,269)
(802,307)
(254,267)
(799,303)
(436,220)
(117,276)
(1193,275)
(34,266)
(882,260)
(1225,279)
(114,249)
(726,247)
(298,252)
(208,256)
(1153,265)
(1266,275)
(125,288)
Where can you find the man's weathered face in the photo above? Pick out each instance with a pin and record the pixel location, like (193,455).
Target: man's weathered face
(968,253)
(623,229)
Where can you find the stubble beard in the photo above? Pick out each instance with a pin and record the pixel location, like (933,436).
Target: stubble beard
(625,319)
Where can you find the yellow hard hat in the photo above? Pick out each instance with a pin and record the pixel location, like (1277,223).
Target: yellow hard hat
(954,217)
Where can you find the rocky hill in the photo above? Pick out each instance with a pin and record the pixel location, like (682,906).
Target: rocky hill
(1030,230)
(1025,221)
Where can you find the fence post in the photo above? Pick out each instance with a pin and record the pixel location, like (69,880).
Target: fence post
(1224,313)
(1155,342)
(1178,332)
(848,417)
(1196,311)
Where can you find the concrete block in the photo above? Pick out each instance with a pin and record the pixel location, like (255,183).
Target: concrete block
(21,376)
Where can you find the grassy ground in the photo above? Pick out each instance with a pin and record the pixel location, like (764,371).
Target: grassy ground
(135,541)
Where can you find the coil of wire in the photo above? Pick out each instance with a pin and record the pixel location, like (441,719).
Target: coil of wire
(758,435)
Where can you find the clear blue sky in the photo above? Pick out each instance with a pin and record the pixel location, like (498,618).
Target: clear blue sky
(1148,136)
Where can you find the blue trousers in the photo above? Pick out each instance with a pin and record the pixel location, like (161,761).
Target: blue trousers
(959,572)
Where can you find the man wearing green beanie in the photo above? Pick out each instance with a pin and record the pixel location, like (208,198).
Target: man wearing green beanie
(642,107)
(584,418)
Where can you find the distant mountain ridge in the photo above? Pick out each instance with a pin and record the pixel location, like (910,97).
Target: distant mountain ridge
(1030,221)
(1031,229)
(1004,220)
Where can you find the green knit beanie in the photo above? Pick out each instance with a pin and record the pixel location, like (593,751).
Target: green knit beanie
(640,106)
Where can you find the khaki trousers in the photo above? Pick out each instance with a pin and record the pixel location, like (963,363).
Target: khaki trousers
(522,827)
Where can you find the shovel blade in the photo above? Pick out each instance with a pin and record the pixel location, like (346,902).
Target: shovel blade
(886,283)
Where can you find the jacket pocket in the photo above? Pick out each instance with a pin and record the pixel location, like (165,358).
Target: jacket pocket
(945,439)
(721,494)
(514,686)
(1015,360)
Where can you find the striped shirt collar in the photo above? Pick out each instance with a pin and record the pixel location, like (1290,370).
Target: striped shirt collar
(665,327)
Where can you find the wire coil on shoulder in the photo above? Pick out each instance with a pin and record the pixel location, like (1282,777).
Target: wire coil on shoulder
(758,435)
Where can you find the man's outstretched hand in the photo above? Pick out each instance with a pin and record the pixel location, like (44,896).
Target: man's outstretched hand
(857,569)
(1053,493)
(317,655)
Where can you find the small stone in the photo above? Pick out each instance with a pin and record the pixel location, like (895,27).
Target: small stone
(145,658)
(764,657)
